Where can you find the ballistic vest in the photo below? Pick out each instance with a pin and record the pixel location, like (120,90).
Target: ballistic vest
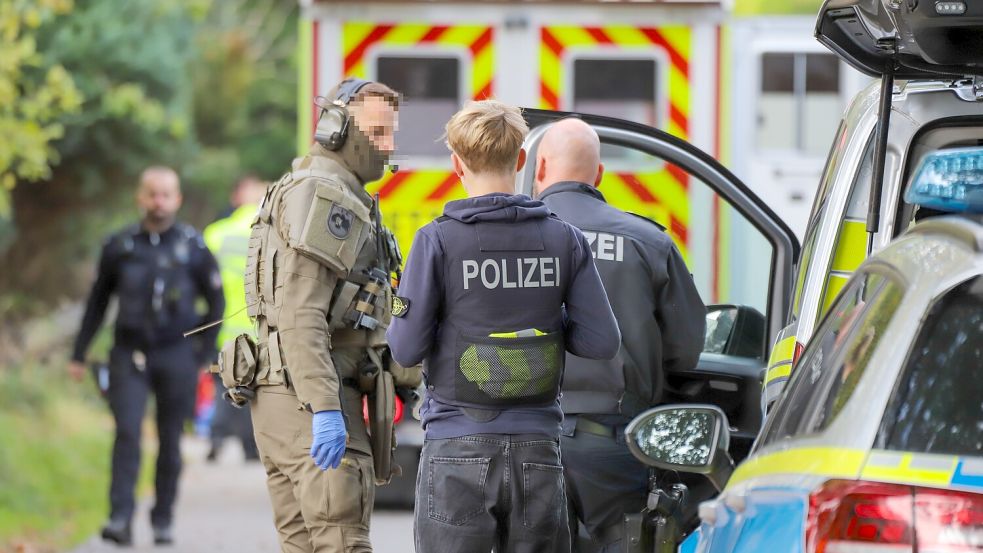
(500,341)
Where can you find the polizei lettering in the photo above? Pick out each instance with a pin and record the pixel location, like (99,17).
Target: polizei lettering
(606,247)
(524,272)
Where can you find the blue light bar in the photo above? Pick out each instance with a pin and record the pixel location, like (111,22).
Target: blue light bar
(949,180)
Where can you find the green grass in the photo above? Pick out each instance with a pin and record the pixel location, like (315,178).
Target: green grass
(55,446)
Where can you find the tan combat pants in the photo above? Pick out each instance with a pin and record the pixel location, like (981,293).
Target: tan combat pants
(314,511)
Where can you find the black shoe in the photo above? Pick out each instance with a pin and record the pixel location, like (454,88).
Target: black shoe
(118,532)
(163,535)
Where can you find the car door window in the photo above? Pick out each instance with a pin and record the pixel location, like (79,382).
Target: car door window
(937,406)
(836,357)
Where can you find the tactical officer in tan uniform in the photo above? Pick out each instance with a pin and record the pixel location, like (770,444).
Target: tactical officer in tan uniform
(318,285)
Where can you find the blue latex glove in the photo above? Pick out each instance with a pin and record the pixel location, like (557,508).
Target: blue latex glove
(328,445)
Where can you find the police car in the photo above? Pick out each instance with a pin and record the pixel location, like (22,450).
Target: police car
(877,444)
(936,102)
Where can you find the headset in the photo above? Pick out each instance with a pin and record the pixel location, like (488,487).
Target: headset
(333,121)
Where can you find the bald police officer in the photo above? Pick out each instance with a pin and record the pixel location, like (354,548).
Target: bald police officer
(318,284)
(662,326)
(494,291)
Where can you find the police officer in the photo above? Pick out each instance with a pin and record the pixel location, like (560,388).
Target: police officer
(158,269)
(318,284)
(663,323)
(494,291)
(228,239)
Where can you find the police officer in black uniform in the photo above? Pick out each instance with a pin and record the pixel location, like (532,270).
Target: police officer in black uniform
(493,293)
(158,269)
(662,321)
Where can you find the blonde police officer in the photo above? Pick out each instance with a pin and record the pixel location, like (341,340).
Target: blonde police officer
(318,285)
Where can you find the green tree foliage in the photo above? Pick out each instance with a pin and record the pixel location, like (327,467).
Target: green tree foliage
(244,93)
(33,94)
(102,88)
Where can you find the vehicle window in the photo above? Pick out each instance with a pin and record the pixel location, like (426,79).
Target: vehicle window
(740,272)
(850,364)
(635,98)
(431,93)
(632,99)
(835,358)
(798,93)
(938,404)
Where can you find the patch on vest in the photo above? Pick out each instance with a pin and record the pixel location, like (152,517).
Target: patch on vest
(400,306)
(340,221)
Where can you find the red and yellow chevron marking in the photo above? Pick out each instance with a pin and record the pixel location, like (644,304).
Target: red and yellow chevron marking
(358,38)
(411,199)
(673,41)
(660,195)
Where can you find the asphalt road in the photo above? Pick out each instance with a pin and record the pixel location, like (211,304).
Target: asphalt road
(223,506)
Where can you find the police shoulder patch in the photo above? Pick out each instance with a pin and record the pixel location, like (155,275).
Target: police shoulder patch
(340,221)
(400,306)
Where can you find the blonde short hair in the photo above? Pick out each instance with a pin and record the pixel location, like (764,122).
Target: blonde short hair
(487,136)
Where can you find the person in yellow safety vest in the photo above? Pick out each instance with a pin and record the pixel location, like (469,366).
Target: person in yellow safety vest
(228,238)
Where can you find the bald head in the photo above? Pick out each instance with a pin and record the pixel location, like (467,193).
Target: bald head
(569,151)
(159,197)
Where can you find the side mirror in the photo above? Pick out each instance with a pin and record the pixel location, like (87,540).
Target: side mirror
(736,330)
(683,438)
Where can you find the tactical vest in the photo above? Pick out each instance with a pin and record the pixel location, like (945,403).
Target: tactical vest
(156,286)
(351,247)
(500,342)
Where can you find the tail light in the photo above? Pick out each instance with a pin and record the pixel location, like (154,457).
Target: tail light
(850,516)
(797,352)
(397,414)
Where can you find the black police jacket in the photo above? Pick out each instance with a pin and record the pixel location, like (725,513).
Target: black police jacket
(654,298)
(158,279)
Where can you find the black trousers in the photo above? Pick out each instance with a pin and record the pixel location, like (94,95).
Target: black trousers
(229,420)
(170,373)
(604,482)
(491,491)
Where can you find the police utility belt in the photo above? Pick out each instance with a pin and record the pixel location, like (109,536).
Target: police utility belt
(244,364)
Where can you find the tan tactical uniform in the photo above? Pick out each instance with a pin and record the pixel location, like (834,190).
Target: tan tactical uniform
(313,243)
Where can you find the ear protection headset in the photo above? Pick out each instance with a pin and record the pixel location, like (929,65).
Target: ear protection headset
(332,123)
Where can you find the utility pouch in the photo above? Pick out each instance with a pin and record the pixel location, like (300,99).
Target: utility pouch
(237,362)
(505,371)
(336,227)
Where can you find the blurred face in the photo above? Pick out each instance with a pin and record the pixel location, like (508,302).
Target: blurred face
(159,196)
(376,118)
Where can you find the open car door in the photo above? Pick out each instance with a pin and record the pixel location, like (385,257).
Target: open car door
(739,251)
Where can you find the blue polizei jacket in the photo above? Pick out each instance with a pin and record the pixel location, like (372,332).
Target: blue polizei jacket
(494,292)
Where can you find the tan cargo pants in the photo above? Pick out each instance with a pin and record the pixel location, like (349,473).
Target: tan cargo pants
(314,511)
